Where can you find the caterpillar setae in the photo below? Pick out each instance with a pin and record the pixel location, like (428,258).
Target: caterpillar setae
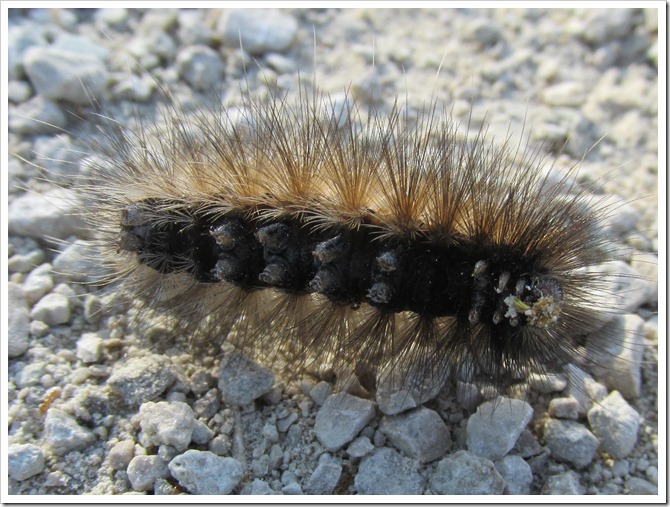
(382,242)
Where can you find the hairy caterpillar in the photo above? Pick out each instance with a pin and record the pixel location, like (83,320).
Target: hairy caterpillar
(377,241)
(151,196)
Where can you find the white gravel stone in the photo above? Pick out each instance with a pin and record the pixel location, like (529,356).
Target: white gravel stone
(260,30)
(48,215)
(64,434)
(484,30)
(639,486)
(360,447)
(141,379)
(616,352)
(563,484)
(20,39)
(516,473)
(631,290)
(59,74)
(566,93)
(564,408)
(599,26)
(200,66)
(420,434)
(547,383)
(465,473)
(241,380)
(143,471)
(257,487)
(18,321)
(30,374)
(89,348)
(616,424)
(493,430)
(24,461)
(403,389)
(387,472)
(166,423)
(53,309)
(320,392)
(292,488)
(18,91)
(340,419)
(570,441)
(205,473)
(201,433)
(646,264)
(324,479)
(78,263)
(583,388)
(36,116)
(134,88)
(24,263)
(468,396)
(527,445)
(121,454)
(38,283)
(80,45)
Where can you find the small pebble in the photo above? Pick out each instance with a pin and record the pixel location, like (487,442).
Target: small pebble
(53,309)
(205,473)
(52,214)
(38,283)
(340,419)
(36,116)
(360,447)
(324,479)
(18,321)
(64,434)
(77,263)
(292,488)
(241,380)
(570,441)
(564,408)
(616,424)
(638,486)
(59,74)
(142,379)
(563,484)
(527,445)
(166,423)
(420,434)
(121,454)
(516,473)
(258,30)
(257,487)
(18,91)
(493,430)
(547,383)
(201,433)
(320,392)
(143,471)
(465,473)
(386,472)
(24,461)
(200,66)
(285,423)
(399,390)
(616,352)
(89,348)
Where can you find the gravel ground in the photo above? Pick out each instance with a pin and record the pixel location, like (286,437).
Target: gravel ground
(93,409)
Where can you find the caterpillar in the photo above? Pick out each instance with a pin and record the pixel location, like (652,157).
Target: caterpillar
(388,242)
